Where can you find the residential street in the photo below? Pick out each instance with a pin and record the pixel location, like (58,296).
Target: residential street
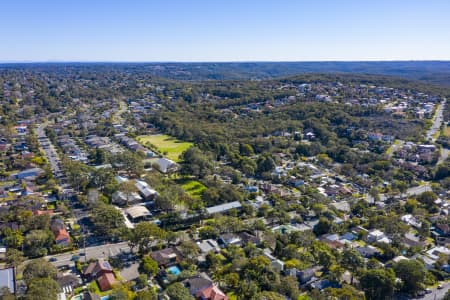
(437,294)
(437,122)
(94,252)
(417,190)
(49,149)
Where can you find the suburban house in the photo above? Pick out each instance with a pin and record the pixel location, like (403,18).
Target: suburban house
(276,264)
(208,246)
(204,289)
(218,209)
(121,198)
(102,272)
(34,172)
(211,293)
(368,251)
(377,236)
(166,257)
(307,276)
(145,190)
(62,237)
(230,239)
(413,240)
(138,213)
(196,284)
(166,165)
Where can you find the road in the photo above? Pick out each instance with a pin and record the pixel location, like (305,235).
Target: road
(417,190)
(49,149)
(437,122)
(436,294)
(123,107)
(94,252)
(444,155)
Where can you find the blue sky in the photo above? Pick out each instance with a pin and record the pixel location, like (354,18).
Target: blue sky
(224,30)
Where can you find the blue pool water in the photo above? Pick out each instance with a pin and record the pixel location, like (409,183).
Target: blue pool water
(175,270)
(105,297)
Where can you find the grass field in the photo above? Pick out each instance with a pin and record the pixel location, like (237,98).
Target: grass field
(447,131)
(168,146)
(192,187)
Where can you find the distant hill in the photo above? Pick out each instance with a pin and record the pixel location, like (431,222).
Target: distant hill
(436,72)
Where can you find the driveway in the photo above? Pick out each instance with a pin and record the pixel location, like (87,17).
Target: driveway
(131,272)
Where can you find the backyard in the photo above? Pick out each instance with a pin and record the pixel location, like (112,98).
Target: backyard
(192,187)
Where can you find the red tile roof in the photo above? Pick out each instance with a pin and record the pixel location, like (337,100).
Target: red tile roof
(61,235)
(106,281)
(211,293)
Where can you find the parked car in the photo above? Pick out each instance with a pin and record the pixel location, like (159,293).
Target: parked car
(52,259)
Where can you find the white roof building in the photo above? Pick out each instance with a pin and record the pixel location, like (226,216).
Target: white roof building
(223,207)
(138,211)
(145,190)
(166,165)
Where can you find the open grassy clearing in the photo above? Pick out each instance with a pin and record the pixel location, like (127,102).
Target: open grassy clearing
(192,187)
(168,146)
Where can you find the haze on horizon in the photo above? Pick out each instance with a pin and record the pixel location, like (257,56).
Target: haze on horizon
(232,30)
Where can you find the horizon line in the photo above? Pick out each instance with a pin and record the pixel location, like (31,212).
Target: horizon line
(214,61)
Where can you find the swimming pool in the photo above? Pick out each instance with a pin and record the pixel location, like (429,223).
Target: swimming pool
(175,270)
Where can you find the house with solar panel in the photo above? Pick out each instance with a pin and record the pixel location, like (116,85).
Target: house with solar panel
(103,273)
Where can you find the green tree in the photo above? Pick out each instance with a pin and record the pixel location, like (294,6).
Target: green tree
(108,221)
(144,235)
(268,295)
(13,238)
(131,162)
(119,293)
(146,295)
(324,226)
(265,164)
(39,268)
(427,198)
(378,284)
(149,266)
(352,261)
(141,281)
(37,242)
(42,289)
(128,188)
(195,163)
(14,257)
(346,292)
(189,251)
(101,178)
(177,291)
(412,273)
(289,287)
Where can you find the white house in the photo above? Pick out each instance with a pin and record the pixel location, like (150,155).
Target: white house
(375,236)
(166,165)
